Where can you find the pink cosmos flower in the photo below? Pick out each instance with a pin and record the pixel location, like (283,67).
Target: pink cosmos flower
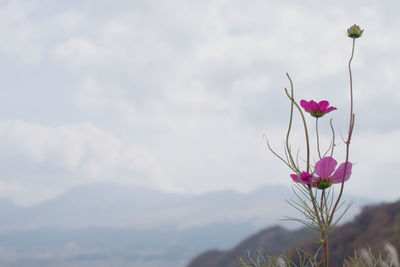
(316,109)
(305,177)
(326,174)
(325,169)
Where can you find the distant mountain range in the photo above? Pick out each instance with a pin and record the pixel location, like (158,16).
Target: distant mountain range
(105,224)
(114,206)
(374,228)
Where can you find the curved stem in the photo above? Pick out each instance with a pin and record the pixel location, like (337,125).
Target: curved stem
(313,200)
(316,130)
(290,126)
(305,129)
(333,137)
(351,125)
(277,155)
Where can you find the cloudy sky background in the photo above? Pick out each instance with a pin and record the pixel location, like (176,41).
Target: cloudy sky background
(176,95)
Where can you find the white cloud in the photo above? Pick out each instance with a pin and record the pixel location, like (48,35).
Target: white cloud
(78,52)
(376,158)
(70,155)
(20,38)
(181,91)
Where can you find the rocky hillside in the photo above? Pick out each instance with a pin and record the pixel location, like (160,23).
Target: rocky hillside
(372,228)
(274,240)
(375,226)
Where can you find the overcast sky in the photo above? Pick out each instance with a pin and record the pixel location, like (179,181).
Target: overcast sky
(176,95)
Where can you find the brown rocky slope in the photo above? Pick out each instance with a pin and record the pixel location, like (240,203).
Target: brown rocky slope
(374,226)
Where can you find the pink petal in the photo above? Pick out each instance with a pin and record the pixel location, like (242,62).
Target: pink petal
(313,105)
(339,173)
(305,105)
(325,167)
(323,105)
(295,178)
(306,177)
(329,109)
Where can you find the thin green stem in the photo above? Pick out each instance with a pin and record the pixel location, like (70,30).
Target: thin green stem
(322,198)
(326,250)
(290,125)
(333,136)
(276,154)
(313,200)
(351,126)
(305,129)
(316,130)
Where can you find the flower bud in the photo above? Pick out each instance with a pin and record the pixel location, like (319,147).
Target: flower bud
(354,31)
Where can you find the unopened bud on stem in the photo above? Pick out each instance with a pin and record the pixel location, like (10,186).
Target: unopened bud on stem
(354,31)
